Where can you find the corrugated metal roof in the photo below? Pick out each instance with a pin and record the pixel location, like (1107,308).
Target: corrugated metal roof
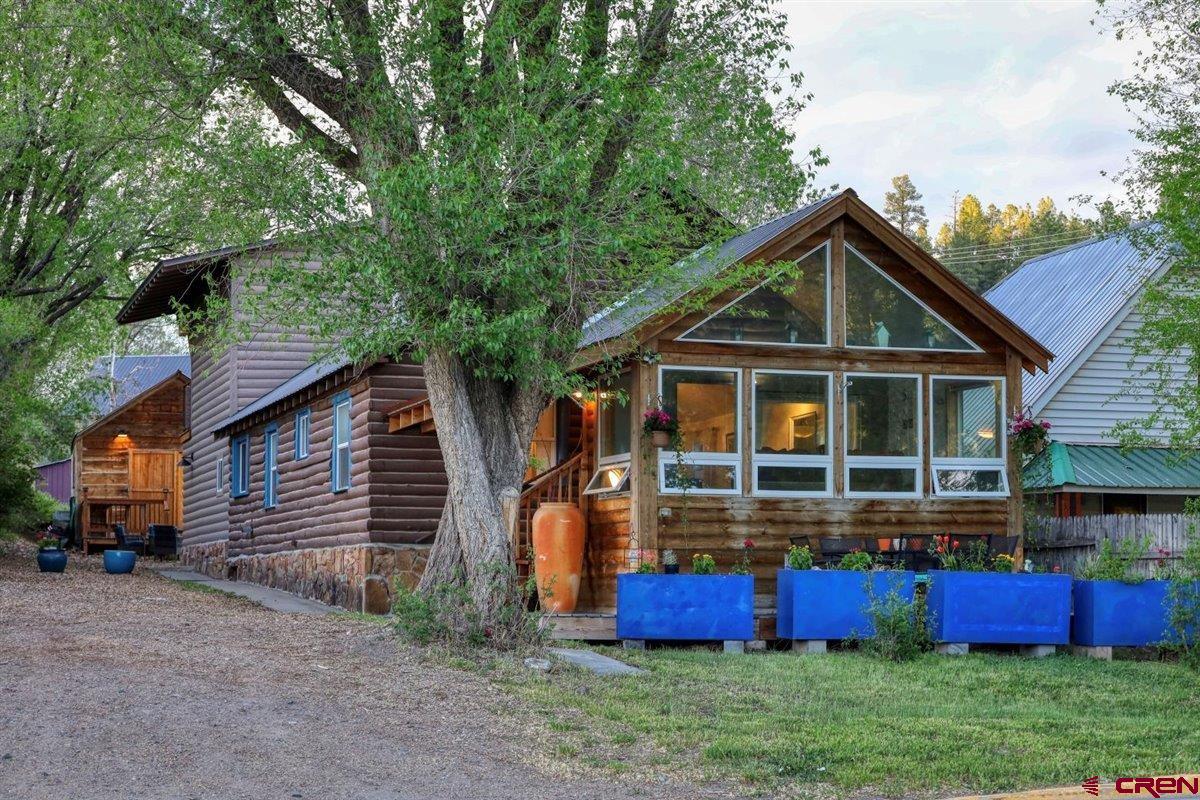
(644,303)
(301,380)
(1068,298)
(132,375)
(1111,467)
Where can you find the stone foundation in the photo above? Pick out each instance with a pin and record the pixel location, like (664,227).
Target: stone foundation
(354,577)
(208,559)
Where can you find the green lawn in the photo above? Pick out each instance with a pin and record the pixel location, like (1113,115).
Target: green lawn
(851,724)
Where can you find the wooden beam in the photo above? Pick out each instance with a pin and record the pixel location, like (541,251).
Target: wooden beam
(1016,498)
(837,288)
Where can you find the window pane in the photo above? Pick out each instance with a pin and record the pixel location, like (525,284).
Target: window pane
(609,479)
(700,476)
(966,418)
(790,414)
(705,403)
(343,464)
(881,416)
(883,479)
(791,479)
(970,480)
(785,310)
(342,421)
(880,314)
(615,416)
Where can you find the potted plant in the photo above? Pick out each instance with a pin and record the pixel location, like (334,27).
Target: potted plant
(670,562)
(818,604)
(974,599)
(1116,607)
(660,426)
(703,605)
(50,556)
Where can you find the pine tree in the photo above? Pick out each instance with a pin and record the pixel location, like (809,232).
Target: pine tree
(902,206)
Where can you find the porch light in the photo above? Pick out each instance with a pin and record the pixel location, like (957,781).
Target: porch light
(122,433)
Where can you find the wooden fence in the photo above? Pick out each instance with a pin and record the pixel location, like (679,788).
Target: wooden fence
(1069,542)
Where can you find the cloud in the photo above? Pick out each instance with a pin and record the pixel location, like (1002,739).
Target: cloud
(1005,100)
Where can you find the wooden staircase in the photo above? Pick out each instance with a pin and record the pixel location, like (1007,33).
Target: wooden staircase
(562,483)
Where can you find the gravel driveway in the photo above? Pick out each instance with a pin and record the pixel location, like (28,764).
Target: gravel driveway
(135,687)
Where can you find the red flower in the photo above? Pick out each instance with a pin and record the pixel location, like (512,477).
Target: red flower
(941,549)
(748,544)
(1057,568)
(956,544)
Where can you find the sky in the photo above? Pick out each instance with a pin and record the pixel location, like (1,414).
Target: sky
(1006,100)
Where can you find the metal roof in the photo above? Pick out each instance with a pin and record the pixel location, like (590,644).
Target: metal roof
(301,380)
(1112,467)
(642,304)
(132,375)
(1069,300)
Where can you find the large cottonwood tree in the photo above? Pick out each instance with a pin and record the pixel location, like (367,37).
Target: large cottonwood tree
(497,172)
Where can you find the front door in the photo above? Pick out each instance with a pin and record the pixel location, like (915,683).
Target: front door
(154,472)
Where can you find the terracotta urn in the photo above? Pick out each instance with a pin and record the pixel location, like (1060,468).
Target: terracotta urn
(558,533)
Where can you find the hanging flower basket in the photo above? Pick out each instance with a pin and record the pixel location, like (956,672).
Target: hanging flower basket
(660,426)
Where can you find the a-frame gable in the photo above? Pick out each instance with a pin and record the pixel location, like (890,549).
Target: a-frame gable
(897,256)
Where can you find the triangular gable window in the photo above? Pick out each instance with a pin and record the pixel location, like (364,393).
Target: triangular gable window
(881,313)
(790,309)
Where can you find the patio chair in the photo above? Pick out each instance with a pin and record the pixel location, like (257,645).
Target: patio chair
(832,549)
(164,540)
(127,542)
(1006,545)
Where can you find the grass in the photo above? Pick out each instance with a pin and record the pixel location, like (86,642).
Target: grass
(848,724)
(207,588)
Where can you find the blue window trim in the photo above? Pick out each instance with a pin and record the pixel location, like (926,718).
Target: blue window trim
(299,453)
(239,466)
(270,482)
(339,399)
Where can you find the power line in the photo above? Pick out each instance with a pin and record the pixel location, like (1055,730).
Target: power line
(972,253)
(1031,239)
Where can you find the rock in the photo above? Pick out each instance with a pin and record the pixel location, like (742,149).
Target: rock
(538,664)
(375,596)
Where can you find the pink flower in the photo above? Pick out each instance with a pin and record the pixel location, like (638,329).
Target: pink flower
(1045,425)
(1057,568)
(748,544)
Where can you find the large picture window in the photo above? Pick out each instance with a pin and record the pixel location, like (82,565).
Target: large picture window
(706,403)
(790,309)
(881,313)
(614,423)
(968,455)
(882,434)
(791,454)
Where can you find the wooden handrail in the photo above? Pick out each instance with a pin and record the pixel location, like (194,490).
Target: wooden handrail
(562,483)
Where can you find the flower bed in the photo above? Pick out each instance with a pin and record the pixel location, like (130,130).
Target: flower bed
(695,607)
(833,604)
(999,608)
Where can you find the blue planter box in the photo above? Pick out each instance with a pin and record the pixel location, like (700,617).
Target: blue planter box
(999,608)
(1115,614)
(718,607)
(832,604)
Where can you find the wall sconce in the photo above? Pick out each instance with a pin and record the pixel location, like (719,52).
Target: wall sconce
(186,461)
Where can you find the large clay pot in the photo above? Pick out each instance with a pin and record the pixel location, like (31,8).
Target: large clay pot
(119,562)
(558,532)
(52,560)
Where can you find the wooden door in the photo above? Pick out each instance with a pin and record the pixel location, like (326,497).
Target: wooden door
(154,473)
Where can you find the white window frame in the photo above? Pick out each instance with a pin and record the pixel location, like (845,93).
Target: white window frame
(974,347)
(271,467)
(221,467)
(621,486)
(828,244)
(981,464)
(341,483)
(667,457)
(301,441)
(783,459)
(884,462)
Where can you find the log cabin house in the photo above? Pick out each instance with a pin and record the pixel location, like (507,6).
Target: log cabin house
(127,464)
(865,398)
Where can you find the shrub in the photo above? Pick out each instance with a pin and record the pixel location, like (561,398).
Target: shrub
(447,615)
(900,630)
(1116,564)
(1183,599)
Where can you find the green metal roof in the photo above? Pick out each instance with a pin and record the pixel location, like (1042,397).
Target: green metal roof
(1112,467)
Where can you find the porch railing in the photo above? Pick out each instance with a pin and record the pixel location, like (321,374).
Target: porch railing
(562,483)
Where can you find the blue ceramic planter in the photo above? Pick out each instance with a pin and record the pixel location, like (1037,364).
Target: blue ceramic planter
(697,607)
(999,607)
(1115,614)
(52,560)
(832,604)
(119,562)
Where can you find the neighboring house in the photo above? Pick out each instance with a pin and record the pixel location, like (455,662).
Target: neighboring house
(54,478)
(1082,303)
(865,398)
(126,465)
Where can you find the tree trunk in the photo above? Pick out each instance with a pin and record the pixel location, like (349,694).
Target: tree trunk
(484,429)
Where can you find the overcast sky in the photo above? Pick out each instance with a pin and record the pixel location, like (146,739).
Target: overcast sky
(1004,99)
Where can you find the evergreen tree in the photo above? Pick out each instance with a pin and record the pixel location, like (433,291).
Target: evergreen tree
(902,206)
